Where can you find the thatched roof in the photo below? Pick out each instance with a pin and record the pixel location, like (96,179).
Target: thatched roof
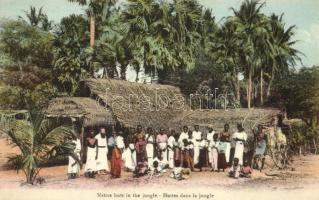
(86,109)
(217,118)
(135,103)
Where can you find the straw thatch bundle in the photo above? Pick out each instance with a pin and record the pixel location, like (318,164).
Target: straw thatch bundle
(134,103)
(217,118)
(80,108)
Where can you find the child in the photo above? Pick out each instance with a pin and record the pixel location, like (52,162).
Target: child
(214,152)
(246,171)
(234,171)
(155,169)
(177,171)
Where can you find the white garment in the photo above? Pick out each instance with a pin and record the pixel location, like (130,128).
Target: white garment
(203,144)
(197,135)
(171,142)
(119,141)
(227,151)
(74,166)
(102,162)
(239,148)
(150,149)
(90,165)
(163,147)
(210,136)
(182,136)
(213,154)
(162,164)
(130,157)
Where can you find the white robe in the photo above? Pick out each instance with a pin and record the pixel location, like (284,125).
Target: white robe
(119,141)
(171,144)
(197,135)
(150,149)
(90,165)
(213,154)
(227,151)
(75,168)
(102,162)
(163,146)
(210,136)
(239,148)
(129,157)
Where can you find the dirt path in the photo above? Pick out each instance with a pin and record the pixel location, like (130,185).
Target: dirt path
(305,173)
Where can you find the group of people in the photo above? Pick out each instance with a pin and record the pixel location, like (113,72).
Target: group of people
(153,153)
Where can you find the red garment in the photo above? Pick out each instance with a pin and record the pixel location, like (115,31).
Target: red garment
(116,163)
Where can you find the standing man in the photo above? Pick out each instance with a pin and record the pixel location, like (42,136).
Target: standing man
(171,142)
(197,135)
(102,164)
(210,136)
(225,138)
(161,141)
(92,155)
(74,161)
(240,138)
(150,141)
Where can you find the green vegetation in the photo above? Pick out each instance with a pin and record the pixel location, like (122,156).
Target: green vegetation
(39,141)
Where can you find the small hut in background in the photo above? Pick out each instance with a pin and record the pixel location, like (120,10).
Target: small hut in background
(85,111)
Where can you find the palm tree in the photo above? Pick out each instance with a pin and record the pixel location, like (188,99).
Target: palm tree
(249,24)
(95,7)
(39,141)
(282,54)
(34,17)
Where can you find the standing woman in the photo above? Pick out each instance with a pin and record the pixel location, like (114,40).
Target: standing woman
(150,145)
(240,138)
(225,138)
(92,154)
(141,156)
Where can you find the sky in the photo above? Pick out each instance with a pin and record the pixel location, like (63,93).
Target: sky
(302,13)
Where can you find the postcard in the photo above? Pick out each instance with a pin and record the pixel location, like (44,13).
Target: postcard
(159,99)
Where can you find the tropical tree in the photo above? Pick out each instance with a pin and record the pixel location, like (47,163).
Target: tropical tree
(250,26)
(39,141)
(95,7)
(72,56)
(282,54)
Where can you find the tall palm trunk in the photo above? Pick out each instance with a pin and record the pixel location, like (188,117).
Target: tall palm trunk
(271,81)
(261,87)
(92,39)
(238,89)
(249,92)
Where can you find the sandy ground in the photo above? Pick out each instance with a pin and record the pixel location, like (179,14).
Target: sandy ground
(302,176)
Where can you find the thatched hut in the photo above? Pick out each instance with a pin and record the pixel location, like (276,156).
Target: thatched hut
(135,103)
(84,110)
(118,102)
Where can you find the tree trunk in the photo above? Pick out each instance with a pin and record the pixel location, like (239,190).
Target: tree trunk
(92,40)
(270,82)
(249,88)
(238,89)
(261,88)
